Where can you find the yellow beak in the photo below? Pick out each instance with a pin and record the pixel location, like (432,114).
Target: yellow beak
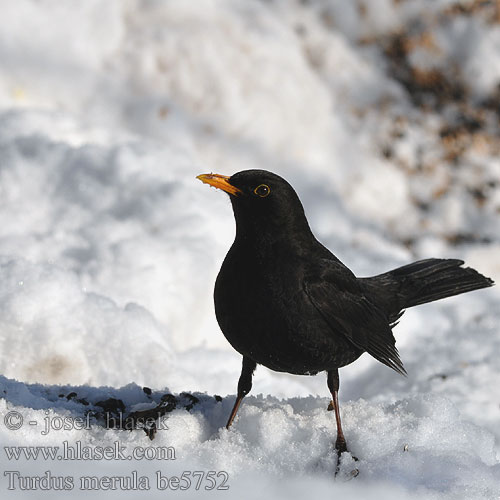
(219,181)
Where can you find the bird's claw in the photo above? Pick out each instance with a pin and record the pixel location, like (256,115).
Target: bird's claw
(341,449)
(346,475)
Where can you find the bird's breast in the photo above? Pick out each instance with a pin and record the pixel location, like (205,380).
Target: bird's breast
(264,313)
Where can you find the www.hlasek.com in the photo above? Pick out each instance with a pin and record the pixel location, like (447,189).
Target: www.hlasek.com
(78,451)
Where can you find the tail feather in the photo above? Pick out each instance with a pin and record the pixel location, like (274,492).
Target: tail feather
(421,282)
(435,279)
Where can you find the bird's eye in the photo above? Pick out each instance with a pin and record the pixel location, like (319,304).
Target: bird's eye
(262,190)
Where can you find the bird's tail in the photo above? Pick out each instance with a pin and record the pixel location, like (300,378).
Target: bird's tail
(433,279)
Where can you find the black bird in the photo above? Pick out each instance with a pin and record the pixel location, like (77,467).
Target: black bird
(285,301)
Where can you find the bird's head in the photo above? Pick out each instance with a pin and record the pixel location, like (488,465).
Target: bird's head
(263,202)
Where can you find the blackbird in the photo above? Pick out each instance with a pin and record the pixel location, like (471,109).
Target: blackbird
(285,301)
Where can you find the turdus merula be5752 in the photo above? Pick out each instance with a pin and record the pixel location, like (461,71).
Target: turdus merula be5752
(285,301)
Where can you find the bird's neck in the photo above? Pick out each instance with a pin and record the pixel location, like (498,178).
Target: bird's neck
(262,236)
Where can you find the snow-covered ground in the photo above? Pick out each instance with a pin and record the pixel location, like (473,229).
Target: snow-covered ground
(382,114)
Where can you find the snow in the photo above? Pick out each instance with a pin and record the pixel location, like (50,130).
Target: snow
(384,117)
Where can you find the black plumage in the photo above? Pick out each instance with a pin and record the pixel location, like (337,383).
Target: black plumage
(285,301)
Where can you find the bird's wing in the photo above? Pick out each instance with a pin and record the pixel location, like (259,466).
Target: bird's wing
(335,293)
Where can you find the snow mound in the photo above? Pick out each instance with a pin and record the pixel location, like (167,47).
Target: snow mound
(417,444)
(54,330)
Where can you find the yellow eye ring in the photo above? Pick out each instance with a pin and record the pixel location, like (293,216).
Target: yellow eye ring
(262,190)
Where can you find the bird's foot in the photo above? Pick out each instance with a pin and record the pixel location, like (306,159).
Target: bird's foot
(345,461)
(346,469)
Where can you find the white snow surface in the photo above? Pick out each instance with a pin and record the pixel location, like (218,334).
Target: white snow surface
(109,246)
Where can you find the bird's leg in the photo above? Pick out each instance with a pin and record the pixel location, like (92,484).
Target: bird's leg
(333,384)
(244,386)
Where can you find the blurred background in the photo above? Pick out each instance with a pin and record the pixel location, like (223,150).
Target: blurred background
(383,114)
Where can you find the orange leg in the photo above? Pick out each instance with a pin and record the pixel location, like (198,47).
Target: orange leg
(333,384)
(244,386)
